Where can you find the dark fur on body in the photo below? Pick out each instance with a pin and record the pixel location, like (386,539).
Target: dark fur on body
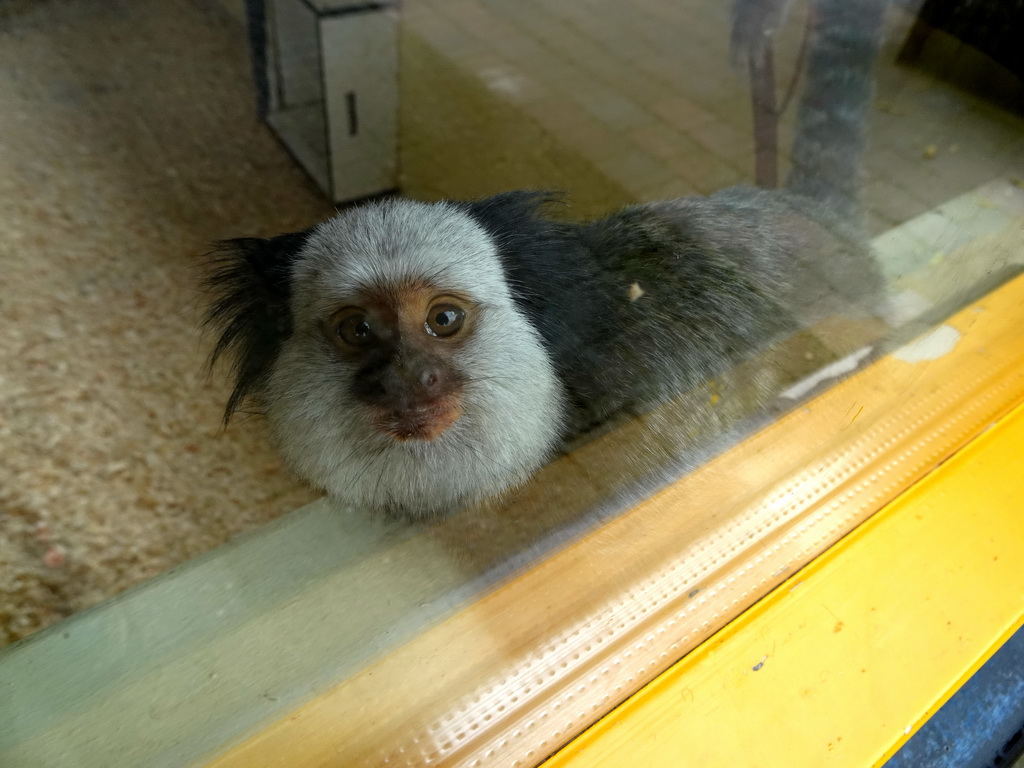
(722,277)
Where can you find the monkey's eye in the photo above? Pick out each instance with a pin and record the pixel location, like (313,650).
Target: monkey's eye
(354,328)
(444,320)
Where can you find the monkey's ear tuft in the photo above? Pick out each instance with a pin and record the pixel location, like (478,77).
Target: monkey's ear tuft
(249,282)
(520,227)
(510,213)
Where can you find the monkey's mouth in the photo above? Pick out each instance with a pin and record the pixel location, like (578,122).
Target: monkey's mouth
(425,422)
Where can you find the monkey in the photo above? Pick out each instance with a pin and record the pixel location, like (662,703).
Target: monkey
(412,358)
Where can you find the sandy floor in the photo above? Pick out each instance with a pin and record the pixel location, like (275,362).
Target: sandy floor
(120,160)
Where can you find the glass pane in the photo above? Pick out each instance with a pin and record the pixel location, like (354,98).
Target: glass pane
(818,183)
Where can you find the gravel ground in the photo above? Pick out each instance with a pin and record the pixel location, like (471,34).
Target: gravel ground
(128,142)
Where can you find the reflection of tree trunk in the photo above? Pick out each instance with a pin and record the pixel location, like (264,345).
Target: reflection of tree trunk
(766,119)
(767,109)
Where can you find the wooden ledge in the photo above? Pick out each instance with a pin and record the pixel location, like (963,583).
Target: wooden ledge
(884,628)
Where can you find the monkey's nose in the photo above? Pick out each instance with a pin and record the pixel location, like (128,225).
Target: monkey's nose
(408,386)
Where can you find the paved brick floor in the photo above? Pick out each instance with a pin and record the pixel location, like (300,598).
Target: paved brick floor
(645,91)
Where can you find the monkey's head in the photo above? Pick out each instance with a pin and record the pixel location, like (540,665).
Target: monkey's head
(387,353)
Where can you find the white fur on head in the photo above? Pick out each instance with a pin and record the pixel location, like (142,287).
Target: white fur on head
(512,401)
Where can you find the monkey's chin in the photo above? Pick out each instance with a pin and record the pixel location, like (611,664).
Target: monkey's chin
(418,480)
(424,426)
(426,509)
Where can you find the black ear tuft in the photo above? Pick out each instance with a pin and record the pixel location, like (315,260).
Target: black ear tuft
(510,216)
(249,281)
(538,253)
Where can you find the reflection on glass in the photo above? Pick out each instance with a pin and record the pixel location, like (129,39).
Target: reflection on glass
(505,373)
